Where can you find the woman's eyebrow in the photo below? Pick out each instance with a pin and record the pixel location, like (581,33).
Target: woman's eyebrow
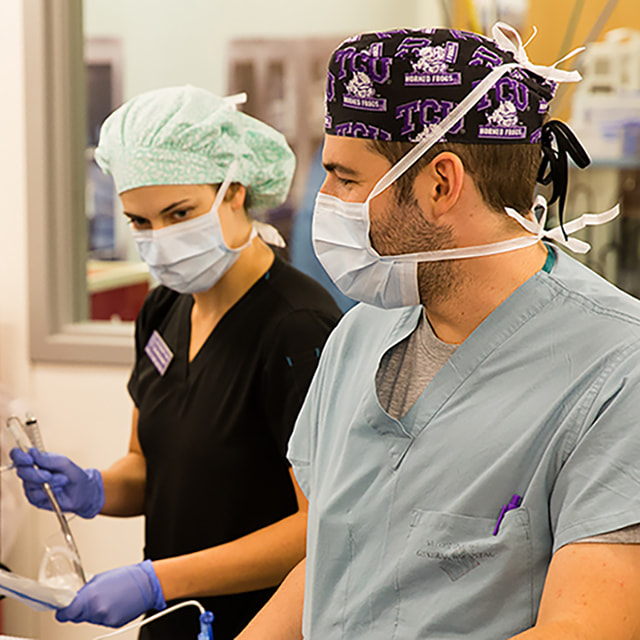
(132,215)
(165,210)
(174,205)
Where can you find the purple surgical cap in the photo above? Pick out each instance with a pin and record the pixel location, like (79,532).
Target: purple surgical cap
(397,85)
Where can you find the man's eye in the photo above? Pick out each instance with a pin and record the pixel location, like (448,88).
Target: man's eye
(345,181)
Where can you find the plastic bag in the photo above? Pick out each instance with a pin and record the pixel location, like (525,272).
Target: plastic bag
(38,596)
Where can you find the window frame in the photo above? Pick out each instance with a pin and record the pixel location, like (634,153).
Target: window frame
(56,219)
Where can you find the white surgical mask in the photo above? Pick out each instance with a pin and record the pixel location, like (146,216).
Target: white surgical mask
(341,229)
(342,244)
(190,256)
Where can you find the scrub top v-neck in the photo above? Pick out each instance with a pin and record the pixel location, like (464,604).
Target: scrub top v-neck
(405,539)
(214,430)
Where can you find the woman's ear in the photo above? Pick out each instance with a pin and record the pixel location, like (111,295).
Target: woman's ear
(236,195)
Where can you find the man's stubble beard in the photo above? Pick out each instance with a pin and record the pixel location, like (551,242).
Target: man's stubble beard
(403,229)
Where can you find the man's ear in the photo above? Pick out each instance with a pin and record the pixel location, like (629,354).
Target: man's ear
(446,173)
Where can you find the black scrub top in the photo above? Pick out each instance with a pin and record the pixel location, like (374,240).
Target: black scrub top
(214,431)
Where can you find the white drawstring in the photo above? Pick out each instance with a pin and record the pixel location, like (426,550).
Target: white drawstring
(269,234)
(499,33)
(472,98)
(225,185)
(556,234)
(535,228)
(234,100)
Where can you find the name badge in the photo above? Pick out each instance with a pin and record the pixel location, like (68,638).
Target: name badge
(159,353)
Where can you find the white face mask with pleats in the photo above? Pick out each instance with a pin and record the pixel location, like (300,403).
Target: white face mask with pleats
(341,229)
(190,256)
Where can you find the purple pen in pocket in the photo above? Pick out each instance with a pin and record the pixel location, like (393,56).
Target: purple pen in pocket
(514,503)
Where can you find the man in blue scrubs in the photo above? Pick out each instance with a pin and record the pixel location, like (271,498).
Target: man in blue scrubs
(470,442)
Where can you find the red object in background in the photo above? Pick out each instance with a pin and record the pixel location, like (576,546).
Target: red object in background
(123,302)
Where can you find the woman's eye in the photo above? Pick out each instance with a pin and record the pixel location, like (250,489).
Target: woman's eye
(138,223)
(179,216)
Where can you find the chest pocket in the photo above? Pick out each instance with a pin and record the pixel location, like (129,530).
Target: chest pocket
(456,579)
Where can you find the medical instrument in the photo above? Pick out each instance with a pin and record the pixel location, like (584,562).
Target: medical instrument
(514,503)
(31,430)
(206,618)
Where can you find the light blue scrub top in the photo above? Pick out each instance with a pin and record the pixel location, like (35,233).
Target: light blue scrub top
(542,400)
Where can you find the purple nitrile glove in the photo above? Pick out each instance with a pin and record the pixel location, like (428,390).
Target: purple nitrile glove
(77,490)
(116,597)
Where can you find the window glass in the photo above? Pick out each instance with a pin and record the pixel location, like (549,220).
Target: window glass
(276,52)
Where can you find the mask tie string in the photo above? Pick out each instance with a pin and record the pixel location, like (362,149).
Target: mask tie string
(222,191)
(224,187)
(560,234)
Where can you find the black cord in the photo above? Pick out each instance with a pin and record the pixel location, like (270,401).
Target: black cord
(558,144)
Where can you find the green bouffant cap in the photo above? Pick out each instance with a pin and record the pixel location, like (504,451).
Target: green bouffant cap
(186,135)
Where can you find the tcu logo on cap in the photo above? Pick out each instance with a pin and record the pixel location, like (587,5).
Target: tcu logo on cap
(507,90)
(369,62)
(362,130)
(420,114)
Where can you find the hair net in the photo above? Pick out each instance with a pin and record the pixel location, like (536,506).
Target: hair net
(186,135)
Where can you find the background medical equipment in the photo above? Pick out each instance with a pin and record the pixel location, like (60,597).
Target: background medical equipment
(606,117)
(606,105)
(61,567)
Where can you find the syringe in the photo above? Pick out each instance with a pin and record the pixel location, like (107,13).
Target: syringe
(32,430)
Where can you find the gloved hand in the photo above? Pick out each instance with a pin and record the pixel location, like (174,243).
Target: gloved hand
(78,490)
(116,597)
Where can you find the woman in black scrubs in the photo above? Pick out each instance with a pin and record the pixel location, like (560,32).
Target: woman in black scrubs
(225,349)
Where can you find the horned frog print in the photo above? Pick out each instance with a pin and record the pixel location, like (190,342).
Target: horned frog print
(430,60)
(361,85)
(506,115)
(426,131)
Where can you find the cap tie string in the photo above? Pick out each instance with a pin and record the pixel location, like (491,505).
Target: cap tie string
(559,143)
(505,34)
